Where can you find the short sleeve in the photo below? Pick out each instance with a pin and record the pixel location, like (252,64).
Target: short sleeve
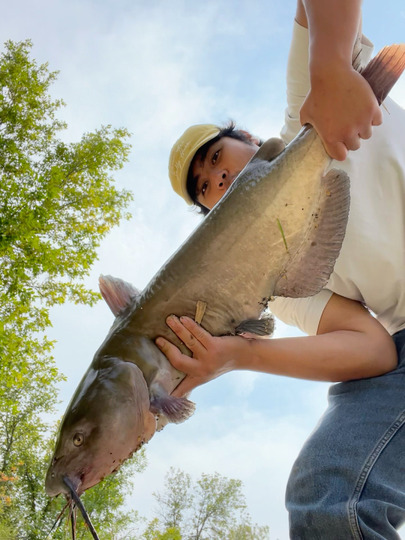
(304,313)
(298,83)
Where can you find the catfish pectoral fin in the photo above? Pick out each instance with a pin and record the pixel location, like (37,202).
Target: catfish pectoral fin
(310,268)
(260,327)
(175,409)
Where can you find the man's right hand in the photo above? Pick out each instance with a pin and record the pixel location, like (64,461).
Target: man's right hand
(341,106)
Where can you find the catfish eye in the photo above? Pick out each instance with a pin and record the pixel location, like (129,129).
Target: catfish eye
(78,439)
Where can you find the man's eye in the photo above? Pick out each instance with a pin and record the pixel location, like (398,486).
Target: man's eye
(215,157)
(204,188)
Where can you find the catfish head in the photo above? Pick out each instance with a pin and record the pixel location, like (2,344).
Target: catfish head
(107,419)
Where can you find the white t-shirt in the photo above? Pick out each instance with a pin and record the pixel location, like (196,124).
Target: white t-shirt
(371,264)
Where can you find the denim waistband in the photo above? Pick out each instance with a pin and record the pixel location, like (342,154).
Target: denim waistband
(399,340)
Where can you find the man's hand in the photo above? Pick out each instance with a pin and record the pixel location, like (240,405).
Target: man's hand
(342,108)
(212,356)
(340,105)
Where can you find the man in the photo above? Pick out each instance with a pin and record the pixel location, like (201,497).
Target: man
(349,479)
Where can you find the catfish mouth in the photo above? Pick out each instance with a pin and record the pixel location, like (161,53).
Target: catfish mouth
(73,502)
(55,483)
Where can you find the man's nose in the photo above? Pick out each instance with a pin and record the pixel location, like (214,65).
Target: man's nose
(221,179)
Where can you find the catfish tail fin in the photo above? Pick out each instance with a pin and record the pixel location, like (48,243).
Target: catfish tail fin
(383,71)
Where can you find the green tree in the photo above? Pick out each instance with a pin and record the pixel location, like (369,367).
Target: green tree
(154,532)
(247,531)
(57,202)
(219,500)
(212,508)
(176,500)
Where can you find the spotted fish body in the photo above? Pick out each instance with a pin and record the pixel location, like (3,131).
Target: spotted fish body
(276,232)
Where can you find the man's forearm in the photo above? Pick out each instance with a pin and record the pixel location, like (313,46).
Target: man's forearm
(336,356)
(333,27)
(351,344)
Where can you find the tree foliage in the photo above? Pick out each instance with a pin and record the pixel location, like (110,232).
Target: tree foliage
(57,202)
(154,532)
(176,500)
(218,502)
(212,508)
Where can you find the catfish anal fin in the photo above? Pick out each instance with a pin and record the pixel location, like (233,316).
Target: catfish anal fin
(310,268)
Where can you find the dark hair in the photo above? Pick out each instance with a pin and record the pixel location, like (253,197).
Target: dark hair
(227,131)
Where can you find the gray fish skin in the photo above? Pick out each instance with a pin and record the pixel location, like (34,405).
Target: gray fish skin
(276,232)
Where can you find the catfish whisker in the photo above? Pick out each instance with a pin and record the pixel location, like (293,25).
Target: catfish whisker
(58,520)
(79,504)
(73,521)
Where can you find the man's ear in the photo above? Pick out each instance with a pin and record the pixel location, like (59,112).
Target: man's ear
(251,138)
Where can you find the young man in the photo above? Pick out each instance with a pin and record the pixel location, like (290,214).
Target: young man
(349,480)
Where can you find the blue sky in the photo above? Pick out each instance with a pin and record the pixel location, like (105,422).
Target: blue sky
(156,67)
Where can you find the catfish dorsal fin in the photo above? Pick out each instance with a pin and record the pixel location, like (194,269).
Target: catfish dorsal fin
(117,293)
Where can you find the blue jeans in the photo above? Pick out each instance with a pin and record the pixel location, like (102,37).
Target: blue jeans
(349,479)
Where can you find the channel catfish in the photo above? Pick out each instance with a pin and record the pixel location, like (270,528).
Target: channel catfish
(276,232)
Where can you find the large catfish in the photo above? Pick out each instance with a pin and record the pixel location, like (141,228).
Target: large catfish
(276,232)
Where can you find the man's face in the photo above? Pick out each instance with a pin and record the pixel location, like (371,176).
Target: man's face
(224,161)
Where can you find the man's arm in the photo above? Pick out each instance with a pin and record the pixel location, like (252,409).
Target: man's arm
(351,344)
(340,105)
